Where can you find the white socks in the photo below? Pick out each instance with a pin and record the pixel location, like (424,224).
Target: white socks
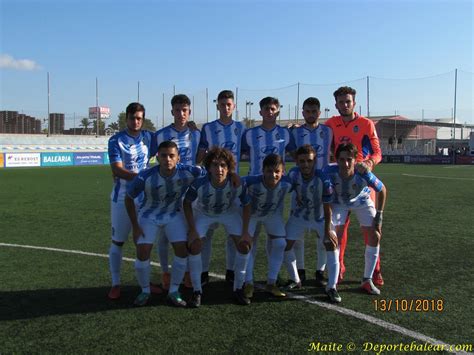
(231,252)
(321,253)
(115,262)
(142,271)
(206,250)
(276,258)
(240,269)
(371,255)
(333,268)
(177,273)
(298,249)
(195,270)
(290,262)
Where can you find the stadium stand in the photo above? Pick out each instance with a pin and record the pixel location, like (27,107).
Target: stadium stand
(10,143)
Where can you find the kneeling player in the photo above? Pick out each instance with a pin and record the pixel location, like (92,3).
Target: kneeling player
(312,211)
(352,193)
(267,193)
(216,197)
(164,186)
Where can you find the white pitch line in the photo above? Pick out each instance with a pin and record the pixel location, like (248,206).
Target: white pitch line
(438,177)
(339,309)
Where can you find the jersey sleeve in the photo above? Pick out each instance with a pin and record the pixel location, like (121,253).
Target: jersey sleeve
(291,146)
(245,148)
(327,187)
(203,143)
(153,145)
(191,193)
(371,145)
(115,154)
(373,181)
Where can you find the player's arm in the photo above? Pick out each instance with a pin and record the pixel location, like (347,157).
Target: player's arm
(381,198)
(119,171)
(329,237)
(200,155)
(132,214)
(376,156)
(189,215)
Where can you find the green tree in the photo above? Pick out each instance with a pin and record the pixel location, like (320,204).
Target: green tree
(114,126)
(85,123)
(122,122)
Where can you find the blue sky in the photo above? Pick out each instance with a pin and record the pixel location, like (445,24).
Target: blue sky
(409,50)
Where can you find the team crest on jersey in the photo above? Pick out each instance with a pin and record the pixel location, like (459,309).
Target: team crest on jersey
(277,136)
(356,129)
(321,134)
(236,131)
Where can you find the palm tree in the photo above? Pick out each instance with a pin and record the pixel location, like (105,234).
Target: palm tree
(114,126)
(85,123)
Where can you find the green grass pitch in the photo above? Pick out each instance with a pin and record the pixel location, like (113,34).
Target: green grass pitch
(53,301)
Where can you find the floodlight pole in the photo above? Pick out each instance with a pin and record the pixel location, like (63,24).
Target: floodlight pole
(454,114)
(49,125)
(97,104)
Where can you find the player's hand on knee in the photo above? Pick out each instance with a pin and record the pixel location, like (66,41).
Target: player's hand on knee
(137,233)
(245,243)
(194,243)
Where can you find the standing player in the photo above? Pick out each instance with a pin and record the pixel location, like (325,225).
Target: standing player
(215,197)
(163,186)
(267,194)
(268,138)
(320,138)
(187,140)
(350,127)
(260,141)
(352,194)
(129,152)
(313,212)
(225,133)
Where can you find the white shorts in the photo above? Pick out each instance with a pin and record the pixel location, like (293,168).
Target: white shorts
(274,225)
(296,227)
(365,213)
(176,229)
(121,225)
(231,221)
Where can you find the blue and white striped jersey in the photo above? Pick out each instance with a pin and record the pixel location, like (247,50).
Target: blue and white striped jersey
(162,195)
(258,143)
(213,201)
(225,136)
(312,194)
(354,191)
(187,142)
(133,153)
(319,138)
(265,201)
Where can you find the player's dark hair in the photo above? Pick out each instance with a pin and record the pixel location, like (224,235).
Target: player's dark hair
(225,94)
(269,101)
(168,144)
(180,99)
(134,107)
(218,153)
(305,149)
(346,147)
(272,161)
(312,101)
(345,90)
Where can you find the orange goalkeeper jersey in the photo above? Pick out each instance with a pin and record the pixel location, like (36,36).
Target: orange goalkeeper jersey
(361,132)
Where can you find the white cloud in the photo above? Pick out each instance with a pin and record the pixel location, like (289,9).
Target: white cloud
(8,62)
